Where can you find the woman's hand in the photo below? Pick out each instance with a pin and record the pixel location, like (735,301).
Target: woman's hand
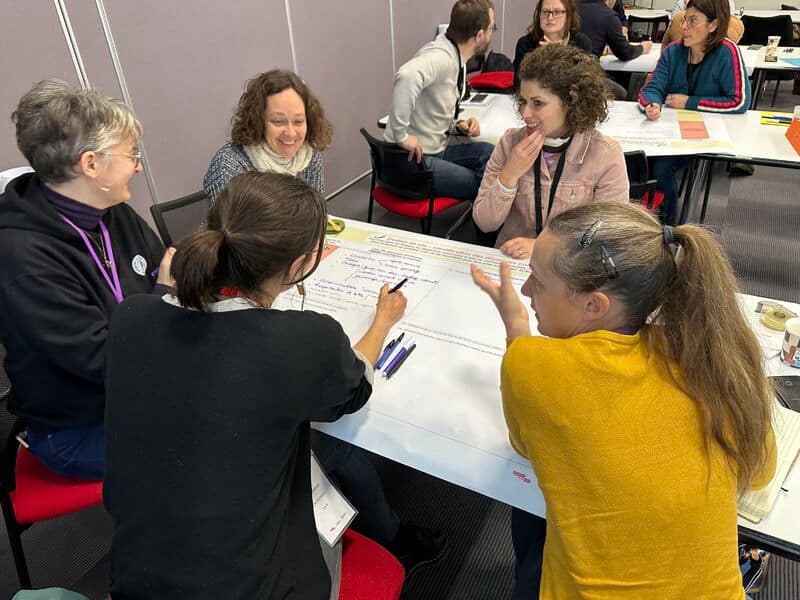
(512,311)
(653,111)
(388,312)
(676,100)
(164,274)
(521,159)
(390,308)
(519,247)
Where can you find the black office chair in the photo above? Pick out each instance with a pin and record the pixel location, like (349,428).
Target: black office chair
(642,186)
(186,215)
(654,27)
(405,187)
(757,30)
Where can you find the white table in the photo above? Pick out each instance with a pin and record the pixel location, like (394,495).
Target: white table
(646,63)
(750,141)
(646,13)
(442,413)
(762,68)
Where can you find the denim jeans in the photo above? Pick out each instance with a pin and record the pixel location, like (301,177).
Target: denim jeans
(77,452)
(354,474)
(527,535)
(458,169)
(664,170)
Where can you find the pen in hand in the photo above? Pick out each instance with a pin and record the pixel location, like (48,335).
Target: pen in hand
(398,286)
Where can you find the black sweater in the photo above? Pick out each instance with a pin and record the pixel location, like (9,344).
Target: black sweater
(55,305)
(207,432)
(529,43)
(602,26)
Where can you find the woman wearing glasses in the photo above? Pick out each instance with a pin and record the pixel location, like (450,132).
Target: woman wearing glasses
(70,251)
(641,429)
(704,71)
(554,22)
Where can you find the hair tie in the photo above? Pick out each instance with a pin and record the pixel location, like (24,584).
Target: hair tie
(669,236)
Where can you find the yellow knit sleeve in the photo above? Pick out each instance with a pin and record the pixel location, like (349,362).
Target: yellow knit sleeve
(510,402)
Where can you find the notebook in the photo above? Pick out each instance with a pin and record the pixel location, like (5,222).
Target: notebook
(756,504)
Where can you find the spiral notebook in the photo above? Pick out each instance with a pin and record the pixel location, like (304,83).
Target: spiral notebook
(756,504)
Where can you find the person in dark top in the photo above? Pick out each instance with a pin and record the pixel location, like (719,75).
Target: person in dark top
(603,27)
(554,22)
(70,251)
(210,397)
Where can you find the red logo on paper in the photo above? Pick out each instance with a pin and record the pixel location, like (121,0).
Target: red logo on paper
(521,476)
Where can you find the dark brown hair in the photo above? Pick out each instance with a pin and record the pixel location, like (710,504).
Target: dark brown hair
(573,75)
(713,9)
(572,19)
(259,225)
(685,305)
(467,18)
(248,124)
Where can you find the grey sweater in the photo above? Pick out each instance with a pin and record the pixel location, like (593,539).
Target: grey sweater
(231,159)
(425,96)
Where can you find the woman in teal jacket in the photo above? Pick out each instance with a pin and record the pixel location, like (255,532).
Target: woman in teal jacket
(704,71)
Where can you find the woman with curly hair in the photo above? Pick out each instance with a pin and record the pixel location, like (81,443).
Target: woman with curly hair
(558,160)
(554,22)
(279,126)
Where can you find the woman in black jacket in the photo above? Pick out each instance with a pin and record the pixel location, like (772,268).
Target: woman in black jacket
(554,22)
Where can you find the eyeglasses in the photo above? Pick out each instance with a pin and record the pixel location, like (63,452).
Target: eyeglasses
(605,256)
(555,14)
(135,156)
(693,21)
(493,28)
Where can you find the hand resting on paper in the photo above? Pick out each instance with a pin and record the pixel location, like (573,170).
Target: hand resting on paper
(512,310)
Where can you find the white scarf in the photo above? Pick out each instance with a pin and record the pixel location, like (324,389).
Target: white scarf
(265,159)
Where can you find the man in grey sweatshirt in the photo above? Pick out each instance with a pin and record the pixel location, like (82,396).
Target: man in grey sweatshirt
(427,90)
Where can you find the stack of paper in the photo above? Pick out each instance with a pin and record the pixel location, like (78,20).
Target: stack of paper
(755,504)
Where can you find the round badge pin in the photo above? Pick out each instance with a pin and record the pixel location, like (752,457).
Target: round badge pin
(139,265)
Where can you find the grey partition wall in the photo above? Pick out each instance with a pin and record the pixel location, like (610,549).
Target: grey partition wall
(343,53)
(415,23)
(517,15)
(24,63)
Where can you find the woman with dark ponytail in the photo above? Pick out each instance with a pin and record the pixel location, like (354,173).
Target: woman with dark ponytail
(645,409)
(209,398)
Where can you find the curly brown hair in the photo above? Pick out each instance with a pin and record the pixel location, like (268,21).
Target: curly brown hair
(572,19)
(573,75)
(248,125)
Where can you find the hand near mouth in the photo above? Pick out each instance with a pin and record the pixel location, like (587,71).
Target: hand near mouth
(522,156)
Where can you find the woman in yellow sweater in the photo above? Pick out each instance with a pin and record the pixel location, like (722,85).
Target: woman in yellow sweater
(643,412)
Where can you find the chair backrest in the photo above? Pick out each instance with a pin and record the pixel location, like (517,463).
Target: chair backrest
(638,176)
(653,26)
(10,427)
(393,170)
(178,218)
(9,174)
(758,29)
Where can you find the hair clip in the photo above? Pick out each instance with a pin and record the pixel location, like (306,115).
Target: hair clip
(586,238)
(608,263)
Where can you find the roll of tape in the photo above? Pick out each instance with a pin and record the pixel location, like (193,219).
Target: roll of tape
(775,318)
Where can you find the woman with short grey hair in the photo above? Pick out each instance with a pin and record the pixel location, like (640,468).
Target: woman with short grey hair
(70,251)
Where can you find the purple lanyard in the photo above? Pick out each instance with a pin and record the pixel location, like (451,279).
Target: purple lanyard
(115,286)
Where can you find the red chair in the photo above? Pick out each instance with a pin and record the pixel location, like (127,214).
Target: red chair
(498,82)
(29,491)
(369,571)
(405,187)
